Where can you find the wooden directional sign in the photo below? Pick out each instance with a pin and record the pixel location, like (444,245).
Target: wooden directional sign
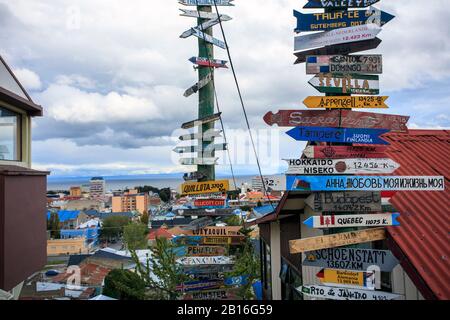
(206,2)
(206,136)
(189,188)
(205,251)
(360,201)
(199,223)
(198,14)
(204,26)
(206,269)
(336,36)
(205,260)
(362,136)
(339,4)
(355,64)
(336,240)
(337,119)
(218,232)
(210,203)
(199,161)
(341,166)
(351,259)
(206,212)
(365,183)
(194,149)
(347,278)
(345,152)
(354,220)
(202,83)
(223,240)
(340,19)
(200,285)
(221,294)
(211,63)
(338,102)
(346,83)
(201,121)
(206,37)
(339,49)
(334,293)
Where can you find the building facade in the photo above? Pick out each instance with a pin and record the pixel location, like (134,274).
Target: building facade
(131,201)
(97,187)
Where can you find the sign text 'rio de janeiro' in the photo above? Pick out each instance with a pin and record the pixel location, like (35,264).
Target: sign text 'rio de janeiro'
(335,293)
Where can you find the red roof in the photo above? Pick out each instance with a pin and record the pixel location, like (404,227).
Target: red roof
(423,237)
(160,233)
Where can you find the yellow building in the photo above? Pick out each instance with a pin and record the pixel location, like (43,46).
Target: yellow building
(75,192)
(130,201)
(66,246)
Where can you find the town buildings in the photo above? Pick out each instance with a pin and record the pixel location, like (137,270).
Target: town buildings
(97,188)
(131,201)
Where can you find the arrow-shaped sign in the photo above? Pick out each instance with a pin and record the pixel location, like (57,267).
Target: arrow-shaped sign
(204,26)
(347,278)
(345,152)
(201,121)
(208,38)
(339,83)
(339,4)
(206,2)
(206,136)
(199,161)
(346,102)
(334,293)
(336,36)
(337,119)
(351,259)
(339,49)
(202,83)
(354,220)
(340,19)
(355,64)
(203,15)
(192,149)
(341,166)
(361,136)
(213,63)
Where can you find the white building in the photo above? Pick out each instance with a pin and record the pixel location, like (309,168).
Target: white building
(97,188)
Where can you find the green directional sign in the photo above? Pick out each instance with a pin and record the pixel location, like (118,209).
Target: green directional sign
(346,83)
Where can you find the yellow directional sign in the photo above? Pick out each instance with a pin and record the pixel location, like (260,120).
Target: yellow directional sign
(346,102)
(336,240)
(346,277)
(191,188)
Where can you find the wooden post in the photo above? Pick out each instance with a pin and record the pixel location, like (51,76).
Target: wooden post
(206,97)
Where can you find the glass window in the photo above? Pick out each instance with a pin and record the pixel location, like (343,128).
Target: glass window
(9,135)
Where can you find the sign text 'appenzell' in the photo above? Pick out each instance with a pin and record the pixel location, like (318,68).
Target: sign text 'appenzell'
(205,187)
(365,64)
(338,102)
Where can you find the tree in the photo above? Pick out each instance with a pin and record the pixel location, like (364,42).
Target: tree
(233,220)
(53,225)
(161,274)
(144,218)
(259,205)
(124,285)
(113,227)
(165,194)
(135,236)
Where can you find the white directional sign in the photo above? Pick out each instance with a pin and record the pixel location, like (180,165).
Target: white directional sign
(191,149)
(341,166)
(336,36)
(208,38)
(203,15)
(204,26)
(205,260)
(354,220)
(199,161)
(335,293)
(205,136)
(202,83)
(206,2)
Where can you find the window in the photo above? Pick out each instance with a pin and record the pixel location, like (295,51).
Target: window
(9,136)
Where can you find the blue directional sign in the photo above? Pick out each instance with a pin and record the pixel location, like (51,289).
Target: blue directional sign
(364,183)
(340,19)
(236,281)
(187,240)
(339,4)
(363,136)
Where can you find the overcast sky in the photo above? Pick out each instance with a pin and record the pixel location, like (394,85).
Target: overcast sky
(111,74)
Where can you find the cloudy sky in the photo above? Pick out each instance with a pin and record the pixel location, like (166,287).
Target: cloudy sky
(111,74)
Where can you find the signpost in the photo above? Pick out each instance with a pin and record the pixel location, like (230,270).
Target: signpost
(210,203)
(210,63)
(206,37)
(365,183)
(336,36)
(236,281)
(200,285)
(339,49)
(198,161)
(339,19)
(199,223)
(205,136)
(338,4)
(198,14)
(339,83)
(345,293)
(356,64)
(345,152)
(354,220)
(344,166)
(362,136)
(337,119)
(190,188)
(336,240)
(192,149)
(218,232)
(361,201)
(222,294)
(210,260)
(339,102)
(202,83)
(205,269)
(205,251)
(237,240)
(206,2)
(347,278)
(201,121)
(351,259)
(225,212)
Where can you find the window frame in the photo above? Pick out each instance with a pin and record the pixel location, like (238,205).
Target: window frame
(19,143)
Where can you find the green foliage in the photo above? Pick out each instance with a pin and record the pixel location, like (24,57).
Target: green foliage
(162,265)
(246,208)
(233,220)
(53,225)
(124,285)
(135,236)
(144,218)
(113,227)
(164,194)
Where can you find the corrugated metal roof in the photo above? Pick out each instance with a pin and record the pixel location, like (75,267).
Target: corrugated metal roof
(423,235)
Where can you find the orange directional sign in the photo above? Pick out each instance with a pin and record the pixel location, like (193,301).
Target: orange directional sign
(337,102)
